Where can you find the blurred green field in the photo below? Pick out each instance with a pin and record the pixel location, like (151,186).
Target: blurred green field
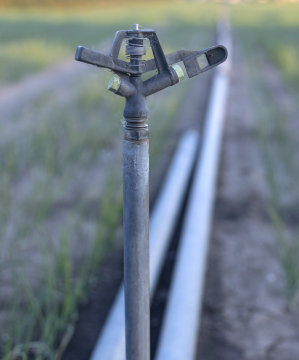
(271,29)
(267,38)
(60,154)
(30,42)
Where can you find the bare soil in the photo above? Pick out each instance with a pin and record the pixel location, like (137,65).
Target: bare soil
(245,314)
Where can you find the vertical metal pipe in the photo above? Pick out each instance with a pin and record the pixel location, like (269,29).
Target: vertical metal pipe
(136,242)
(136,214)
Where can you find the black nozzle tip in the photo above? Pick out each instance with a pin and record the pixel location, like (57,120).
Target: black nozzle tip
(79,53)
(217,55)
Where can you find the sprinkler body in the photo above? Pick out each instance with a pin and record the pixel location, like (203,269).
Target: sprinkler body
(129,84)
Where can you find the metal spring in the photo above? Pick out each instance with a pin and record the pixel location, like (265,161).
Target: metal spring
(135,51)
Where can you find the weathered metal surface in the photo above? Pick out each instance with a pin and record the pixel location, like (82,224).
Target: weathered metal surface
(136,249)
(136,213)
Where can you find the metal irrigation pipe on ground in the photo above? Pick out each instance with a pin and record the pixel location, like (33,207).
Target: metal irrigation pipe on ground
(178,339)
(111,342)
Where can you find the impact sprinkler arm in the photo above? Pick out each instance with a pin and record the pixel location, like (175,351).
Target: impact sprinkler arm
(129,85)
(207,59)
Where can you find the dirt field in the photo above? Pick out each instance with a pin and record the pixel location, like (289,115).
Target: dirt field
(245,314)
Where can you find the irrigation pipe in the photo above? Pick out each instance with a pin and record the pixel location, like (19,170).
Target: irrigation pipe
(182,317)
(111,343)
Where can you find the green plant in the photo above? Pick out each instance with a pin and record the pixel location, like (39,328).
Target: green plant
(288,252)
(278,156)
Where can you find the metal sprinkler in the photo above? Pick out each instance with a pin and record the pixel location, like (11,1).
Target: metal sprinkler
(128,84)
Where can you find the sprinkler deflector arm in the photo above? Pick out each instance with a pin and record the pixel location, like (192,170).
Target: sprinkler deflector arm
(215,55)
(129,85)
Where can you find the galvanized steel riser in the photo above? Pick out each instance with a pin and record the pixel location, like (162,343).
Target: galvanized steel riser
(136,242)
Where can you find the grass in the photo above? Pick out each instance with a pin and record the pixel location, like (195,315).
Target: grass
(272,45)
(61,180)
(271,29)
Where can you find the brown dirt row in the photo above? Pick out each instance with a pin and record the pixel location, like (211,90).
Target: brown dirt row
(245,315)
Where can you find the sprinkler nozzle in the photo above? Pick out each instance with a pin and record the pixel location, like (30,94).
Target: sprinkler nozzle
(114,84)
